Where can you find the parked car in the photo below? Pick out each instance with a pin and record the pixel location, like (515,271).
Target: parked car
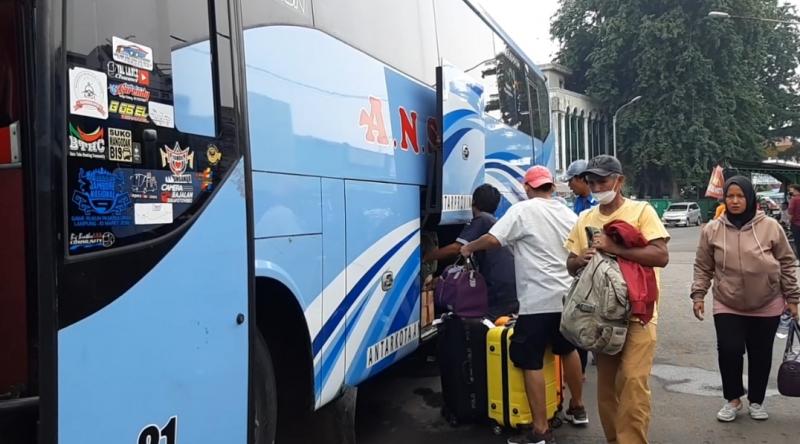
(682,213)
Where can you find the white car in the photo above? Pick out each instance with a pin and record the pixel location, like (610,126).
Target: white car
(682,213)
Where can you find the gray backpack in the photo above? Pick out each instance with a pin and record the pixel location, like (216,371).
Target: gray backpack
(596,309)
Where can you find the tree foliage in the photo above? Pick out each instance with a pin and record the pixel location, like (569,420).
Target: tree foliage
(712,88)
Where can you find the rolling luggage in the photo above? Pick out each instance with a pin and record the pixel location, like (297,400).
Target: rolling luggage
(462,364)
(508,403)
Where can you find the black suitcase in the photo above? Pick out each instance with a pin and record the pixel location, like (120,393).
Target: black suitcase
(462,365)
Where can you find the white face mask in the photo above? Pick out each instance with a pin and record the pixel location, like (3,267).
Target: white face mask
(605,197)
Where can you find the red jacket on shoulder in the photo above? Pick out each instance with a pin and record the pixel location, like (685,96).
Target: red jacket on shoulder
(641,280)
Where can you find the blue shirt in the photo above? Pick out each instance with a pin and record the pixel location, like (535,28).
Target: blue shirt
(583,203)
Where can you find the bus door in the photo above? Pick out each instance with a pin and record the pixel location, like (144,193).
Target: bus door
(461,104)
(153,272)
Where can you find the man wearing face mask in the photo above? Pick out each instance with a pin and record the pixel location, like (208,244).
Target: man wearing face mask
(623,391)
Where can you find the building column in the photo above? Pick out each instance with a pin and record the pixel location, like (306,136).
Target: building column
(586,137)
(562,146)
(605,131)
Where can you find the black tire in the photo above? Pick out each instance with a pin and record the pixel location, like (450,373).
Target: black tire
(265,394)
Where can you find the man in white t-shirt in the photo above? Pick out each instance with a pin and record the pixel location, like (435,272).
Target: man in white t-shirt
(535,230)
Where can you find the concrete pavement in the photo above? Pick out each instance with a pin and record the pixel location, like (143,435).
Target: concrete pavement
(402,406)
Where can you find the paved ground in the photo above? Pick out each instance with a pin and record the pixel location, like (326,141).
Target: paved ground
(402,406)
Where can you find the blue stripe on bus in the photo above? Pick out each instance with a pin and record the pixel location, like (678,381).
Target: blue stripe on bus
(453,140)
(344,306)
(500,166)
(454,116)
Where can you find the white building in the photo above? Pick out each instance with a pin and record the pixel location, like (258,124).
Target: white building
(582,127)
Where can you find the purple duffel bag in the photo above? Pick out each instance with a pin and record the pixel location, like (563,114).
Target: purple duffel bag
(789,371)
(462,290)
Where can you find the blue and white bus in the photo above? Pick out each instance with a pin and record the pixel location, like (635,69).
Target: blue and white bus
(216,206)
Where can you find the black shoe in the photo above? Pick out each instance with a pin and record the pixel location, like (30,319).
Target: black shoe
(532,437)
(577,416)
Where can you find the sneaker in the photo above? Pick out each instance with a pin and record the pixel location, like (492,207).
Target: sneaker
(577,416)
(532,437)
(728,412)
(758,412)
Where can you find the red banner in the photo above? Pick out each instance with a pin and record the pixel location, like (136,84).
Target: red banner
(716,183)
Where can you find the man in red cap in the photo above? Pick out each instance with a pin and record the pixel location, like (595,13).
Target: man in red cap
(536,229)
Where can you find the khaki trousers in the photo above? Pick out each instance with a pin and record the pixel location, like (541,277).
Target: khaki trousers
(623,386)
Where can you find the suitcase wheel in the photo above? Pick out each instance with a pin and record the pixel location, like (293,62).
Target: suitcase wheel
(497,429)
(556,422)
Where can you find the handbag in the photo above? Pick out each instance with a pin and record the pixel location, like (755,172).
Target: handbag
(789,371)
(462,290)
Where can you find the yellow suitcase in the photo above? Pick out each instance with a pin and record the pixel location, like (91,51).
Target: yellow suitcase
(508,403)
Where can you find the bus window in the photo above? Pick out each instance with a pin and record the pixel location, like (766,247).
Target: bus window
(374,26)
(142,156)
(465,41)
(513,92)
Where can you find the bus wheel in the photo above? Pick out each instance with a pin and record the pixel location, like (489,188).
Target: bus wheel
(265,399)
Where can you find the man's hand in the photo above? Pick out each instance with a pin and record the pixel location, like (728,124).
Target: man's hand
(793,310)
(586,257)
(700,309)
(604,243)
(466,251)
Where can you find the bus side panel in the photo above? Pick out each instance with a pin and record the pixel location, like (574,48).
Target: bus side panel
(509,153)
(382,236)
(383,322)
(318,106)
(170,347)
(333,275)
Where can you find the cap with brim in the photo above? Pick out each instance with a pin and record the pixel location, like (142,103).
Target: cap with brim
(537,176)
(603,165)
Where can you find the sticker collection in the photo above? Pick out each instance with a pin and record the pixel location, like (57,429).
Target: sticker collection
(106,198)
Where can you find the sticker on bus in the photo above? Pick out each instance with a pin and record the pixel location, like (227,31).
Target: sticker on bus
(144,186)
(102,198)
(128,111)
(126,73)
(390,344)
(121,147)
(162,114)
(88,93)
(152,213)
(129,91)
(91,145)
(131,53)
(90,241)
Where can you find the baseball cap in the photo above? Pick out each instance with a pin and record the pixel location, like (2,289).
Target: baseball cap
(576,168)
(603,165)
(537,176)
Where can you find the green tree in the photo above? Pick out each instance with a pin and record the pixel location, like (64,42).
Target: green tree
(712,88)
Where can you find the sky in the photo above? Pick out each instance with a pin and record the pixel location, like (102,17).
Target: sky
(528,23)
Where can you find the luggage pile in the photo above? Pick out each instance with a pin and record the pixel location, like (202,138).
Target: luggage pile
(479,381)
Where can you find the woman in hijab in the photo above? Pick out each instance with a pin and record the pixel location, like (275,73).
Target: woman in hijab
(749,258)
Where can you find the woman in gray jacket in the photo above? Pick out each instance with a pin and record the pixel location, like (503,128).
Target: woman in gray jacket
(749,258)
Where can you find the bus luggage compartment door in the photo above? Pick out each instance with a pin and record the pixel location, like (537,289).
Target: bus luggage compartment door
(461,103)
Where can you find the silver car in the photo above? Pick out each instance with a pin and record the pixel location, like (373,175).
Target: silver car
(682,213)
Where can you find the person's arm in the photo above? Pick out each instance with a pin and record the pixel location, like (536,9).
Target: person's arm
(485,242)
(439,254)
(654,254)
(704,265)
